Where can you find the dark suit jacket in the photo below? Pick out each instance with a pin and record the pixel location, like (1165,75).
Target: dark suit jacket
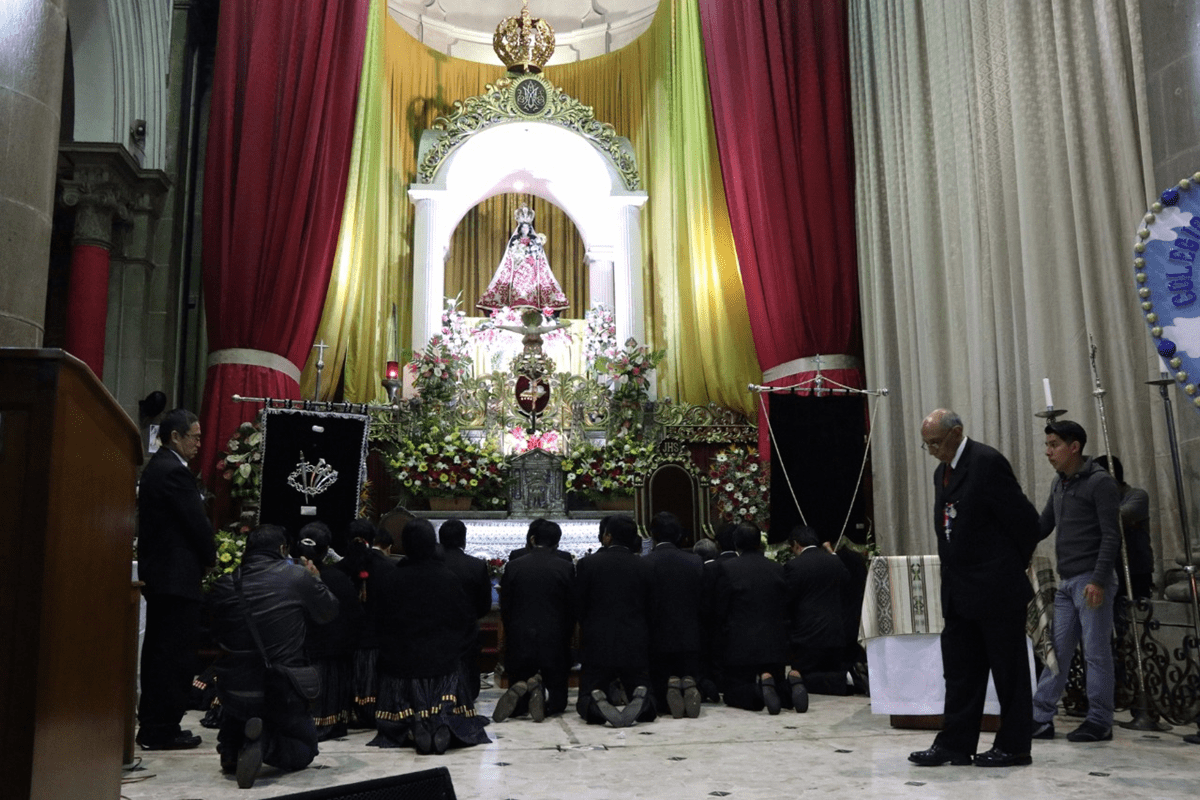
(817,589)
(612,595)
(750,607)
(537,608)
(473,573)
(175,538)
(524,551)
(993,532)
(675,601)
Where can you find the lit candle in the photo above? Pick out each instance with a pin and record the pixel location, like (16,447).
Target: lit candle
(1046,388)
(393,370)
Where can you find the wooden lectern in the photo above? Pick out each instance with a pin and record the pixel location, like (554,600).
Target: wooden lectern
(68,469)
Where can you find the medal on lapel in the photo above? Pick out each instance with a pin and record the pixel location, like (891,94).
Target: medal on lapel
(949,512)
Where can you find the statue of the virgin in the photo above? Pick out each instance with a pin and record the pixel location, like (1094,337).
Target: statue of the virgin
(524,277)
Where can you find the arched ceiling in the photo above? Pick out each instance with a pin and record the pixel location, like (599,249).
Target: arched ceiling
(583,28)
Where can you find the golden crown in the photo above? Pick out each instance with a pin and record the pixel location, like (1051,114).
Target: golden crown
(524,214)
(524,44)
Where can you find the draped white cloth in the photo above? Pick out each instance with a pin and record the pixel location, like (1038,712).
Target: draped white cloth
(1003,160)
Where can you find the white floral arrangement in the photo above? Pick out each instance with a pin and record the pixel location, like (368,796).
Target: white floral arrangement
(600,337)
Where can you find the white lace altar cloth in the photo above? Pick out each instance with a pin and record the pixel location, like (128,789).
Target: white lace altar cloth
(488,539)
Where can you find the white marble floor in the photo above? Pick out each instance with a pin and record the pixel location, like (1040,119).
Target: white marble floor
(837,749)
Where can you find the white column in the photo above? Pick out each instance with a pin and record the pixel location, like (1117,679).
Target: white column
(600,274)
(628,297)
(429,269)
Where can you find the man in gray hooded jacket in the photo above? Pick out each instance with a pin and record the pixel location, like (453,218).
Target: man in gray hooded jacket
(1083,507)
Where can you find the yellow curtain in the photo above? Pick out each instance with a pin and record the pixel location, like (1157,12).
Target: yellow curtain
(654,91)
(358,306)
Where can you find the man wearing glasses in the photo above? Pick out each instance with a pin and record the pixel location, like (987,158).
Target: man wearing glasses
(986,532)
(175,547)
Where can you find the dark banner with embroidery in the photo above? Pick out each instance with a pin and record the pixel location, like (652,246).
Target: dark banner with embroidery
(313,467)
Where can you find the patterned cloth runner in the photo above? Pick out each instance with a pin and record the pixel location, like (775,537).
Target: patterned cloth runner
(903,596)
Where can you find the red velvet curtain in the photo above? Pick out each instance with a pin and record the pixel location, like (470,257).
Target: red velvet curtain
(779,77)
(284,94)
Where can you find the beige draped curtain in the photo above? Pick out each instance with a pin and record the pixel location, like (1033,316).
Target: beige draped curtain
(1003,163)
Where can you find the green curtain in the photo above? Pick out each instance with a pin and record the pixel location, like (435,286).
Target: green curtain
(653,91)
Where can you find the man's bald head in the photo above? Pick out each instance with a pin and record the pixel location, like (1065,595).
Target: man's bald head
(942,433)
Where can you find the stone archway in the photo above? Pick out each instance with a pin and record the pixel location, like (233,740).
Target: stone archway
(524,135)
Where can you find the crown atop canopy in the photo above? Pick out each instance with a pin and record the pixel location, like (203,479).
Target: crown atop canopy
(524,44)
(524,214)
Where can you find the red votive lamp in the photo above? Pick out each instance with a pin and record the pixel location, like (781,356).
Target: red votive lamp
(393,370)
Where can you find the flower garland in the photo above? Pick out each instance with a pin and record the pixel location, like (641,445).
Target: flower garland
(740,486)
(616,469)
(444,464)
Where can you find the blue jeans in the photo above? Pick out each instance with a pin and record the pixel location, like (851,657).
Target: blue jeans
(1074,621)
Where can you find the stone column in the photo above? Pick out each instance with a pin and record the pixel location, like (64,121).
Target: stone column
(113,199)
(33,36)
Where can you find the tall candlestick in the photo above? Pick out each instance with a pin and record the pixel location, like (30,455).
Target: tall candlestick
(1046,388)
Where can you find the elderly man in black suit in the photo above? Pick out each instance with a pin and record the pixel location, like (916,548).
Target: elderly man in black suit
(674,618)
(817,583)
(751,603)
(612,598)
(472,573)
(536,607)
(175,547)
(986,533)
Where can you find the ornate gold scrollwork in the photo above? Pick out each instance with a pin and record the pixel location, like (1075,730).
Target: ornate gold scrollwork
(519,98)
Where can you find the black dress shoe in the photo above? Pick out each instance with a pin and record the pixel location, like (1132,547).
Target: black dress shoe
(251,755)
(769,695)
(937,755)
(999,758)
(422,737)
(441,739)
(184,740)
(607,709)
(675,697)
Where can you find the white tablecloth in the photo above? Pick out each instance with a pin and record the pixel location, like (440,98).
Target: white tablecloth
(901,630)
(488,539)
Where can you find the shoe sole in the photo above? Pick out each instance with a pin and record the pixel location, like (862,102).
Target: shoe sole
(800,699)
(441,740)
(537,703)
(691,702)
(250,758)
(771,699)
(675,703)
(607,709)
(507,703)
